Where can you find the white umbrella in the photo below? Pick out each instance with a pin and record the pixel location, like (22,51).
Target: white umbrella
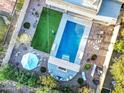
(29,61)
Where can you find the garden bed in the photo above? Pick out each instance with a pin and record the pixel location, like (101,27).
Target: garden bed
(3,29)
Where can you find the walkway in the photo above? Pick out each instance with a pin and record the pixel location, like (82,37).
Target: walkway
(32,16)
(15,34)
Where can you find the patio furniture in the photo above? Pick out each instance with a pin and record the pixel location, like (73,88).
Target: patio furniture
(96,82)
(93,70)
(95,45)
(81,55)
(101,32)
(70,77)
(113,83)
(99,71)
(29,61)
(67,79)
(84,76)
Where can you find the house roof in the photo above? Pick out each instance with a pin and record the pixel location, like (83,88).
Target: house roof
(110,8)
(7,5)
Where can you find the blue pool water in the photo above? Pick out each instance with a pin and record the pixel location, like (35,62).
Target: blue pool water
(70,41)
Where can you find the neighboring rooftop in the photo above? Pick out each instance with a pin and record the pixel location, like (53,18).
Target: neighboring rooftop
(110,8)
(7,5)
(86,3)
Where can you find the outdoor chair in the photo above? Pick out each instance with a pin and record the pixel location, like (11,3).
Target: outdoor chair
(84,76)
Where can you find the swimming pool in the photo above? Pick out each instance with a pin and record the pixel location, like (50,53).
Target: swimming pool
(70,41)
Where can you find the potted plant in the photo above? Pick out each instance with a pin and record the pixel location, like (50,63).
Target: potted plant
(26,25)
(94,57)
(43,69)
(80,81)
(87,66)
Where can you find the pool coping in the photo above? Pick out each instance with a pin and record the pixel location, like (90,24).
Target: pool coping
(63,63)
(81,49)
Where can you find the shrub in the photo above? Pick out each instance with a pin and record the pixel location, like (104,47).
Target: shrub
(19,5)
(27,25)
(66,89)
(1,48)
(9,72)
(94,57)
(122,20)
(84,90)
(49,81)
(43,69)
(46,90)
(87,66)
(80,81)
(119,46)
(122,32)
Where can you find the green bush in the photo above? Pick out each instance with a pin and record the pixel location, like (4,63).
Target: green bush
(19,5)
(117,71)
(46,90)
(122,32)
(80,81)
(43,69)
(119,46)
(1,48)
(122,20)
(87,66)
(9,72)
(84,90)
(66,89)
(94,57)
(49,82)
(27,25)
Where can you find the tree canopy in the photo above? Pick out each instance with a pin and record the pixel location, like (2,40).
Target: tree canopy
(117,70)
(119,46)
(84,90)
(46,90)
(49,82)
(8,72)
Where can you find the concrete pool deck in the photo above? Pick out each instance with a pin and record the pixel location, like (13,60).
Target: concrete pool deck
(63,63)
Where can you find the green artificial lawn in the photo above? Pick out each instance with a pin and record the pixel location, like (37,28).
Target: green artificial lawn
(46,30)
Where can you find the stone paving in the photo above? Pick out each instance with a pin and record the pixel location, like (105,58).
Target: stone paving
(32,16)
(21,50)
